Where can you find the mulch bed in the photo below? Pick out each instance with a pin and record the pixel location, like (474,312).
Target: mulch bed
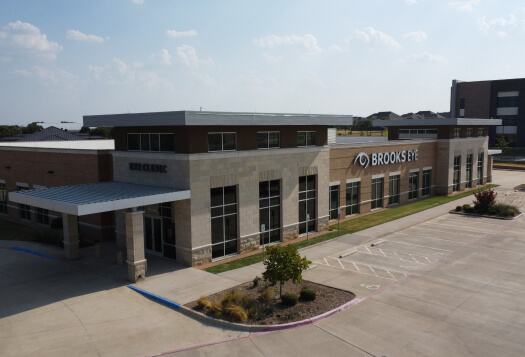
(327,299)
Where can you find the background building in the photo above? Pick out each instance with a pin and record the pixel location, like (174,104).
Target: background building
(502,99)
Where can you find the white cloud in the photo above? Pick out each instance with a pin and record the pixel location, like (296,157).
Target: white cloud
(464,5)
(54,77)
(204,79)
(25,39)
(79,36)
(308,42)
(271,58)
(410,2)
(164,57)
(338,49)
(497,26)
(188,56)
(428,57)
(97,70)
(371,35)
(23,72)
(416,36)
(178,34)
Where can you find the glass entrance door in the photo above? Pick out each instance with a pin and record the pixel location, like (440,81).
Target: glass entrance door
(153,234)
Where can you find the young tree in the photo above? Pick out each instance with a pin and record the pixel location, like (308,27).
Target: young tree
(502,144)
(283,264)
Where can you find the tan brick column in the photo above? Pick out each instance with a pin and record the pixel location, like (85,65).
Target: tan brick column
(135,246)
(71,242)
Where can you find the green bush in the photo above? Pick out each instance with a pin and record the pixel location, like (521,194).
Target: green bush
(458,208)
(256,281)
(466,206)
(308,294)
(491,212)
(469,209)
(505,210)
(289,299)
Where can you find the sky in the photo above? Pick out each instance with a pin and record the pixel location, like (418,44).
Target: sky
(60,60)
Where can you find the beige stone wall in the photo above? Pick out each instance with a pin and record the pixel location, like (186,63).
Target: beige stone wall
(448,149)
(245,170)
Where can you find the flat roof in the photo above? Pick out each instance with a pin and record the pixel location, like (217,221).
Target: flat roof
(436,122)
(199,118)
(80,200)
(73,144)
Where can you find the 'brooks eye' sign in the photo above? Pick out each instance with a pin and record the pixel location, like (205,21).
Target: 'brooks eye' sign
(385,158)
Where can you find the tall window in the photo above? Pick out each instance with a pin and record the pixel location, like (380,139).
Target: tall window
(270,211)
(377,193)
(480,168)
(507,101)
(222,142)
(307,203)
(3,198)
(413,180)
(468,184)
(457,133)
(481,132)
(457,173)
(223,221)
(268,139)
(42,216)
(427,183)
(393,189)
(151,142)
(334,201)
(470,132)
(352,198)
(25,210)
(306,138)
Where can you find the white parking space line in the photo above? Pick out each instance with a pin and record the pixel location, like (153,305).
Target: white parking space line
(427,237)
(365,269)
(396,257)
(421,246)
(456,227)
(438,230)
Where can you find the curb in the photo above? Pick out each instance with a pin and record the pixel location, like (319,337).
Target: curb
(199,316)
(486,215)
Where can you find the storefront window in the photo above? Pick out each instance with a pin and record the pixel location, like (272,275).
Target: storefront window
(352,198)
(468,177)
(377,193)
(480,168)
(224,234)
(3,198)
(222,142)
(427,177)
(306,138)
(334,201)
(270,211)
(307,203)
(151,142)
(457,173)
(413,181)
(268,139)
(393,188)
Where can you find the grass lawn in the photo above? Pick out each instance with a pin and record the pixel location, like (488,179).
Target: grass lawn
(355,225)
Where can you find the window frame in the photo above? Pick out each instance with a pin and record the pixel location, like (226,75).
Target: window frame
(334,189)
(413,185)
(310,200)
(394,189)
(470,132)
(273,202)
(225,211)
(426,185)
(456,181)
(222,141)
(3,198)
(376,202)
(350,204)
(457,133)
(268,140)
(140,135)
(306,138)
(42,216)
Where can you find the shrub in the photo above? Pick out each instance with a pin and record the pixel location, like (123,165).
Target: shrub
(204,303)
(233,297)
(236,313)
(251,308)
(491,211)
(505,210)
(484,200)
(308,294)
(256,281)
(289,299)
(216,308)
(264,312)
(458,208)
(470,209)
(268,294)
(466,206)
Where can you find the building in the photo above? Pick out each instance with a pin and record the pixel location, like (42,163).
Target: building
(200,186)
(493,99)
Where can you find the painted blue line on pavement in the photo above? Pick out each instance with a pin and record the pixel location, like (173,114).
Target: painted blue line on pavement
(33,252)
(156,298)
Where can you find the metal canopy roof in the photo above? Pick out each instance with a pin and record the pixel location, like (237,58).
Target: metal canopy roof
(80,200)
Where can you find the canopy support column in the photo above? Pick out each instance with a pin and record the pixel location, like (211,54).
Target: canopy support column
(71,241)
(136,258)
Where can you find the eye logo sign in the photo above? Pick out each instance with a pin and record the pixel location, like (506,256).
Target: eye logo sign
(363,158)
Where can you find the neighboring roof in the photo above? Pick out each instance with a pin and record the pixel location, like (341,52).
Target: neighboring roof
(437,122)
(80,200)
(75,145)
(70,126)
(48,134)
(426,114)
(192,118)
(381,115)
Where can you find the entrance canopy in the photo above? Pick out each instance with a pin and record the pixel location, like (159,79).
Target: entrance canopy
(80,200)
